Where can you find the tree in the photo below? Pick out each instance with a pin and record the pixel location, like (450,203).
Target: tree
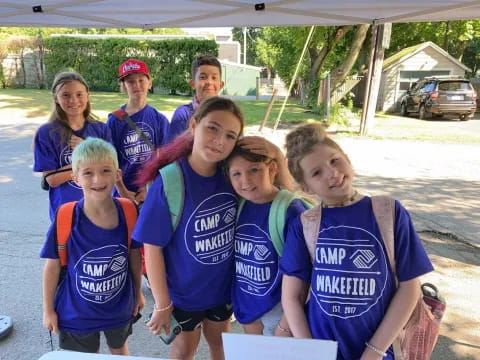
(330,47)
(453,36)
(341,72)
(253,33)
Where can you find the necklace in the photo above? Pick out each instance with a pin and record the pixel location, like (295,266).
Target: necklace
(352,199)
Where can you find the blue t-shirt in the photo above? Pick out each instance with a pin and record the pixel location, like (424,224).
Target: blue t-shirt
(351,280)
(180,120)
(97,292)
(132,151)
(257,283)
(50,153)
(199,254)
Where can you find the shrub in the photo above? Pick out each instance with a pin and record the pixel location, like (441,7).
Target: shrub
(97,60)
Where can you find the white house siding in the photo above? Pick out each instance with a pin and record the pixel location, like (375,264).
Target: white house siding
(12,70)
(427,60)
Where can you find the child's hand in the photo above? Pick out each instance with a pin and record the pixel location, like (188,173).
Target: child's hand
(50,321)
(160,321)
(140,303)
(74,141)
(140,195)
(262,146)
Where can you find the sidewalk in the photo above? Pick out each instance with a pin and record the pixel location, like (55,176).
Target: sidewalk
(438,183)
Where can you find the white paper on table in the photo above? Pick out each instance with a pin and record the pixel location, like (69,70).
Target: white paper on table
(259,347)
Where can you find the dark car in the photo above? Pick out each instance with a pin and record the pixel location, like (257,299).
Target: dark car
(440,95)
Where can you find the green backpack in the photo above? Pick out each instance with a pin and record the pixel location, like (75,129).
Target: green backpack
(173,185)
(277,215)
(174,189)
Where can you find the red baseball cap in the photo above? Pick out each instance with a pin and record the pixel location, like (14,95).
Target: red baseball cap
(132,66)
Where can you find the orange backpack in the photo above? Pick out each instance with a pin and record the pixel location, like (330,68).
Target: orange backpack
(64,221)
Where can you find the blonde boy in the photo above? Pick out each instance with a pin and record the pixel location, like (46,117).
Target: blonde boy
(100,288)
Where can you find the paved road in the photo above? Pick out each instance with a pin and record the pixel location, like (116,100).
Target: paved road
(438,183)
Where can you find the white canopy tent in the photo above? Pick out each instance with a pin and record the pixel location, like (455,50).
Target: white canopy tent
(149,14)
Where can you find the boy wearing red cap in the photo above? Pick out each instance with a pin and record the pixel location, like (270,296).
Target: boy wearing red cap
(207,82)
(133,150)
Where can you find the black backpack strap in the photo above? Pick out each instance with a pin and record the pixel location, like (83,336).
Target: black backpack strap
(122,115)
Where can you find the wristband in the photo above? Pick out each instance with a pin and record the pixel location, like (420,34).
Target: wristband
(283,329)
(374,349)
(57,172)
(162,309)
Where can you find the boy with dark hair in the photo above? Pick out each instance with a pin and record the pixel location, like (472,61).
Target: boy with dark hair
(207,82)
(100,290)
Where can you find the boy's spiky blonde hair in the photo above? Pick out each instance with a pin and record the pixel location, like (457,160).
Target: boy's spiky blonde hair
(92,150)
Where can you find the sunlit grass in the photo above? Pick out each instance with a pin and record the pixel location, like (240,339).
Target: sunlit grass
(31,103)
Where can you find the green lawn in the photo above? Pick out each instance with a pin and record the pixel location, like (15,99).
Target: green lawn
(34,103)
(30,103)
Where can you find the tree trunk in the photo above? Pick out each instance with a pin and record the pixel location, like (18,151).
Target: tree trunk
(445,35)
(317,58)
(340,73)
(462,45)
(22,65)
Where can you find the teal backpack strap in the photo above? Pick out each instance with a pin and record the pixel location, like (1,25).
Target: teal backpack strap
(276,218)
(241,202)
(173,186)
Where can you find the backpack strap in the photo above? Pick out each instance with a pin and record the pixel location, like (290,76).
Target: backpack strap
(241,204)
(130,212)
(384,212)
(174,189)
(123,115)
(63,225)
(64,222)
(311,226)
(276,218)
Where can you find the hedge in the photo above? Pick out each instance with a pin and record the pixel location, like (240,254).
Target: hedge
(97,60)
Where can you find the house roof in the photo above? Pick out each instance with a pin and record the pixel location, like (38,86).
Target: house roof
(408,52)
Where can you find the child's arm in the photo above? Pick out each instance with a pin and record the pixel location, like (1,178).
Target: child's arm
(155,264)
(294,293)
(51,274)
(397,315)
(58,179)
(135,261)
(262,146)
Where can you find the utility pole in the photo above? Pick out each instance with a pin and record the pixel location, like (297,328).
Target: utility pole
(380,41)
(244,46)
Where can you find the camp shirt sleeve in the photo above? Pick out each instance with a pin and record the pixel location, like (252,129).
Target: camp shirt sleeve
(410,256)
(295,260)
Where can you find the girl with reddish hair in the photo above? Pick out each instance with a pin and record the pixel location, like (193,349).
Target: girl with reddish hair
(190,267)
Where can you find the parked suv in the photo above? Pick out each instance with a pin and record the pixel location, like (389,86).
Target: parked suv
(440,95)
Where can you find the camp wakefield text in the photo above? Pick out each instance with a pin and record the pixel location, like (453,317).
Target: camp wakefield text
(349,271)
(255,262)
(212,226)
(100,277)
(135,149)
